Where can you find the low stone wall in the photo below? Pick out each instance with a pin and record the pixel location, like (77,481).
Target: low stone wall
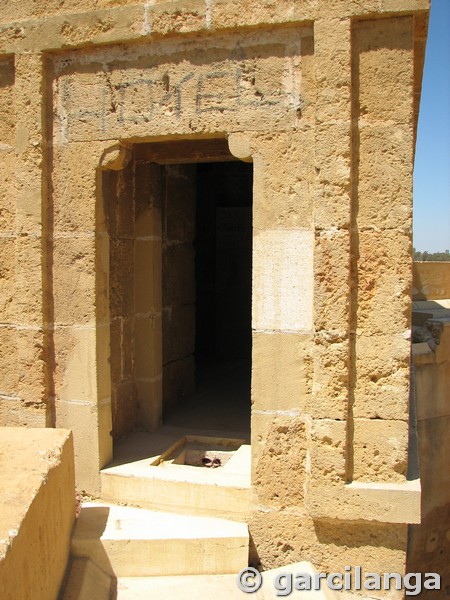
(431,280)
(37,511)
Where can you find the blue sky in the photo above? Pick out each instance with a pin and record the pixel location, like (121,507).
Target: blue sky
(431,223)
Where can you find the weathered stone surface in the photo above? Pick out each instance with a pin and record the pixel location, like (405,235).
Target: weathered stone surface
(174,95)
(7,279)
(328,451)
(332,281)
(384,191)
(380,450)
(37,510)
(28,295)
(148,346)
(98,234)
(378,547)
(178,332)
(382,375)
(283,179)
(282,371)
(332,205)
(333,76)
(74,280)
(7,189)
(279,459)
(8,368)
(76,364)
(329,545)
(384,272)
(385,69)
(178,275)
(32,361)
(147,275)
(330,389)
(76,206)
(125,409)
(7,76)
(178,382)
(180,203)
(292,536)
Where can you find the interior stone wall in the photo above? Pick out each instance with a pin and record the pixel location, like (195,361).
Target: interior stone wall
(224,259)
(148,351)
(119,196)
(134,201)
(178,278)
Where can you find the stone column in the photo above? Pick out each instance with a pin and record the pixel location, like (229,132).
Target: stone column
(33,375)
(148,343)
(383,157)
(10,404)
(81,306)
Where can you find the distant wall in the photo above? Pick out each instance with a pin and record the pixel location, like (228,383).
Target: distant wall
(37,511)
(429,545)
(431,280)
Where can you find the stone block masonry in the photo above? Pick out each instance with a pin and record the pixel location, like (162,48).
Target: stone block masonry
(104,112)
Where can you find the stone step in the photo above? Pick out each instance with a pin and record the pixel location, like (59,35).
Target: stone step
(134,542)
(223,493)
(86,582)
(219,587)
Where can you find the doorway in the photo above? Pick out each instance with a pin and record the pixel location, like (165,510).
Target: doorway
(212,388)
(179,219)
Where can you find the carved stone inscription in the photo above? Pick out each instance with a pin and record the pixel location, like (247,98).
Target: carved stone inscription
(175,87)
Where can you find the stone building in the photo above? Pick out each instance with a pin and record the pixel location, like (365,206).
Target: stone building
(206,243)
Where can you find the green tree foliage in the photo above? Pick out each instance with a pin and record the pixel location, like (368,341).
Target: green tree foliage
(431,256)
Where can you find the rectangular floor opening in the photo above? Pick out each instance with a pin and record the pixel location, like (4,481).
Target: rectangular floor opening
(200,451)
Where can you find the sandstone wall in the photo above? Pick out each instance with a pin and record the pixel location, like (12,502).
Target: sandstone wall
(430,542)
(323,98)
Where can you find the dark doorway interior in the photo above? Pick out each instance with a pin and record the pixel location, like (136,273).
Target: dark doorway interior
(223,282)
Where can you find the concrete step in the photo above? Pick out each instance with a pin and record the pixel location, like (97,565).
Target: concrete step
(223,492)
(134,542)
